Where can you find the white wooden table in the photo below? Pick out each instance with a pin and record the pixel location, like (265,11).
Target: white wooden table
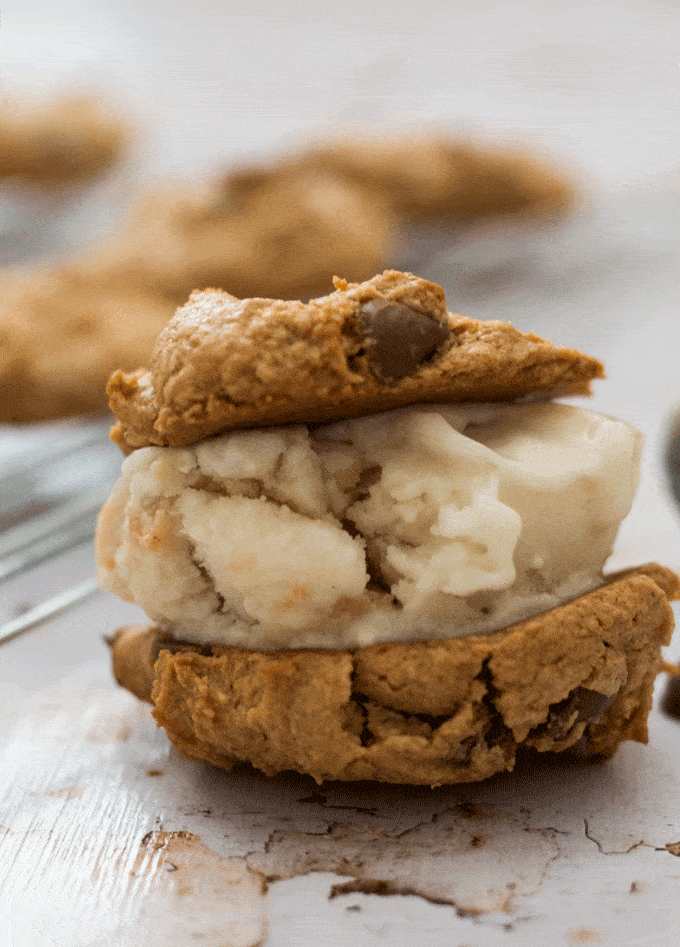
(107,836)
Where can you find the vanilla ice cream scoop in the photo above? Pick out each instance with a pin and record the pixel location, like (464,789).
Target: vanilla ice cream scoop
(430,521)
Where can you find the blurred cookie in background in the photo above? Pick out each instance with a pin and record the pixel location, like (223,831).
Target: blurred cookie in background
(282,230)
(284,239)
(68,139)
(426,175)
(65,329)
(285,229)
(61,330)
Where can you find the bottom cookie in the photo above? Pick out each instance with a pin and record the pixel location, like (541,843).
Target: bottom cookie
(578,678)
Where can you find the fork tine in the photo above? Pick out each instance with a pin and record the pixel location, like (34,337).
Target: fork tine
(48,609)
(41,526)
(73,535)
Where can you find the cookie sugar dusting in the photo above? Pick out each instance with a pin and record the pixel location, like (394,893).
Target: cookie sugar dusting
(224,363)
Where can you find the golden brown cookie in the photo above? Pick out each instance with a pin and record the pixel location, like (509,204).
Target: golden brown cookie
(578,677)
(426,175)
(224,363)
(61,330)
(285,241)
(68,139)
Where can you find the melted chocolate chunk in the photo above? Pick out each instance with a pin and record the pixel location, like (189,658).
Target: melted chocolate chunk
(399,338)
(586,704)
(670,704)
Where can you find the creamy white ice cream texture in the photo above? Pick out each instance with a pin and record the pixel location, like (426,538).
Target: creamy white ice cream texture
(432,521)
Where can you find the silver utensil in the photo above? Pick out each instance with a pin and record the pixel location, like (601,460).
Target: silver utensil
(50,608)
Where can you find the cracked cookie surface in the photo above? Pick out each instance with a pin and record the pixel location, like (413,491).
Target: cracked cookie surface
(434,712)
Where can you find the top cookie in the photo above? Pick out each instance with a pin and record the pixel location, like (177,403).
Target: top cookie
(222,363)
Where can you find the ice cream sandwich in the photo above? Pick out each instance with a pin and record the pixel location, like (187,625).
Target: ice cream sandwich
(370,544)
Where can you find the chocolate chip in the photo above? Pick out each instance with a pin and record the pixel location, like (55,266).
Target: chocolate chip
(399,338)
(586,704)
(670,704)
